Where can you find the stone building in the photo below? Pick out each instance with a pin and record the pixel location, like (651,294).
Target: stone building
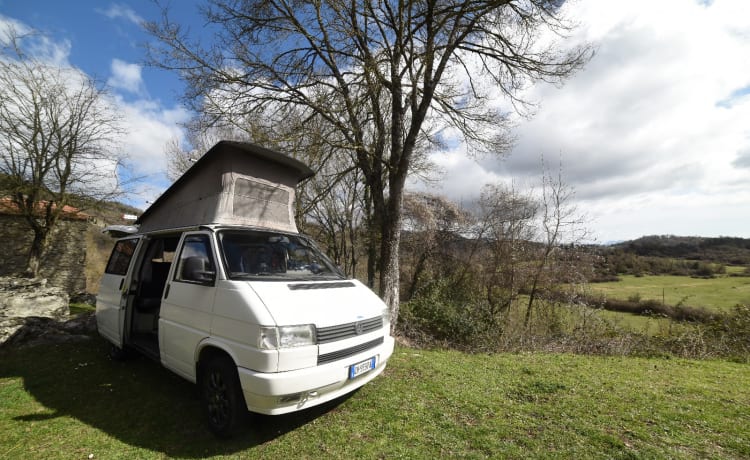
(63,264)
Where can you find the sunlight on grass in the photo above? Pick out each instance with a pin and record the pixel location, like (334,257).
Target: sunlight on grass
(72,403)
(720,293)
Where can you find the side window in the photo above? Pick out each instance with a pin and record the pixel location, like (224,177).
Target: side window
(120,258)
(196,264)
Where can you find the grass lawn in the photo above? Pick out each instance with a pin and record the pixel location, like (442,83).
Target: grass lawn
(720,293)
(71,402)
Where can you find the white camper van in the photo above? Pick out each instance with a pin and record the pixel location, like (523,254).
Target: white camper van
(218,286)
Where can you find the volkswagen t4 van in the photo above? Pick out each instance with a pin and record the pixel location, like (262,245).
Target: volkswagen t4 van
(216,283)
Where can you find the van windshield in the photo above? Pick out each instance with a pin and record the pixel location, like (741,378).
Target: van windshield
(249,254)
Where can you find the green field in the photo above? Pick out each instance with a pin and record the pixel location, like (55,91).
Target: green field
(717,294)
(720,294)
(648,325)
(71,402)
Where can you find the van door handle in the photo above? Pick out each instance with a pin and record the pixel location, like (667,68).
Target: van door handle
(122,281)
(166,293)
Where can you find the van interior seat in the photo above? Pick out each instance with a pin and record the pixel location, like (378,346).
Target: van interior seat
(151,291)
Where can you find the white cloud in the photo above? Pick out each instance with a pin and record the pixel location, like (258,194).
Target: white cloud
(36,44)
(9,27)
(117,10)
(653,129)
(148,124)
(126,76)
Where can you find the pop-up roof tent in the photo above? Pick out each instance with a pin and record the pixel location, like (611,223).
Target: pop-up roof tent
(234,183)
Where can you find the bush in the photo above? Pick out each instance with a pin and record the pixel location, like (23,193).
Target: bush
(447,313)
(730,333)
(442,314)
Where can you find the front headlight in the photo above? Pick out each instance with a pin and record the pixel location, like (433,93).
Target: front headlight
(386,319)
(273,338)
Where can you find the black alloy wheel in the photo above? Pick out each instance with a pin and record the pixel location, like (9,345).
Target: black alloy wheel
(223,401)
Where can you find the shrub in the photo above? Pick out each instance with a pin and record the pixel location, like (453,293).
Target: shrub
(442,314)
(730,333)
(634,298)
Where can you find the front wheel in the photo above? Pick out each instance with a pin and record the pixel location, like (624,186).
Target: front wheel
(223,401)
(118,353)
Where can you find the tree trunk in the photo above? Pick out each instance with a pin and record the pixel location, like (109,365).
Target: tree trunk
(418,269)
(389,268)
(38,245)
(389,251)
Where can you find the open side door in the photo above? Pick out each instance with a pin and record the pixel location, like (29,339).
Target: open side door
(112,299)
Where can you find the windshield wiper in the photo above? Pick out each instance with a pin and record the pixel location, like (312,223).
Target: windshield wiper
(249,275)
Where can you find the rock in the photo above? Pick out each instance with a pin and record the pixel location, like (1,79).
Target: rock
(21,297)
(32,313)
(82,324)
(83,297)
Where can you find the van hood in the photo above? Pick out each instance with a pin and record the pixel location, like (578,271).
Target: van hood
(323,303)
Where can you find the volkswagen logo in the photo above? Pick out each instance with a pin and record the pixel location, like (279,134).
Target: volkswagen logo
(358,328)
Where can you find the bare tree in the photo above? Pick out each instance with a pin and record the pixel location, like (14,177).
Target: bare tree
(504,235)
(386,77)
(334,202)
(433,226)
(560,223)
(57,137)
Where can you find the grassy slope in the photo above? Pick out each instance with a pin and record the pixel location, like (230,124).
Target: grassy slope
(69,402)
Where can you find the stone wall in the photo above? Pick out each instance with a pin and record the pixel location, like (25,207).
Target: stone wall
(63,264)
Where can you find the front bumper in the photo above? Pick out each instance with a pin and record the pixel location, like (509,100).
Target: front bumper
(284,392)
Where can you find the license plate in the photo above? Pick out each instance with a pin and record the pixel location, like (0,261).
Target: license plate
(358,369)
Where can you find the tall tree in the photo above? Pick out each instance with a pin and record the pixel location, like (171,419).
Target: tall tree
(56,141)
(386,76)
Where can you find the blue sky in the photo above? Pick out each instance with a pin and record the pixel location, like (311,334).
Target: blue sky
(100,32)
(653,134)
(105,41)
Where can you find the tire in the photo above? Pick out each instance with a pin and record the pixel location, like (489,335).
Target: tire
(223,401)
(118,354)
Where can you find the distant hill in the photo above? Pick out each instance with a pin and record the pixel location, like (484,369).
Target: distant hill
(726,250)
(112,212)
(98,244)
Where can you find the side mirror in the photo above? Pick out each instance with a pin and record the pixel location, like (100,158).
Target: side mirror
(194,269)
(204,276)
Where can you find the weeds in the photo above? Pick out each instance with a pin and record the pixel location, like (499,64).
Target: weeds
(437,318)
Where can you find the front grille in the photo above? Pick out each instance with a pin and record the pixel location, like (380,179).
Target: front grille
(345,331)
(341,354)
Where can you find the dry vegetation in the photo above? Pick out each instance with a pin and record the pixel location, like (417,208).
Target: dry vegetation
(98,247)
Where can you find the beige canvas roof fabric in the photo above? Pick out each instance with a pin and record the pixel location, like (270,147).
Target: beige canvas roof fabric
(234,183)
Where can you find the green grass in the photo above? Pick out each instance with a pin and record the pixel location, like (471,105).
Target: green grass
(80,308)
(735,269)
(71,402)
(720,294)
(648,325)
